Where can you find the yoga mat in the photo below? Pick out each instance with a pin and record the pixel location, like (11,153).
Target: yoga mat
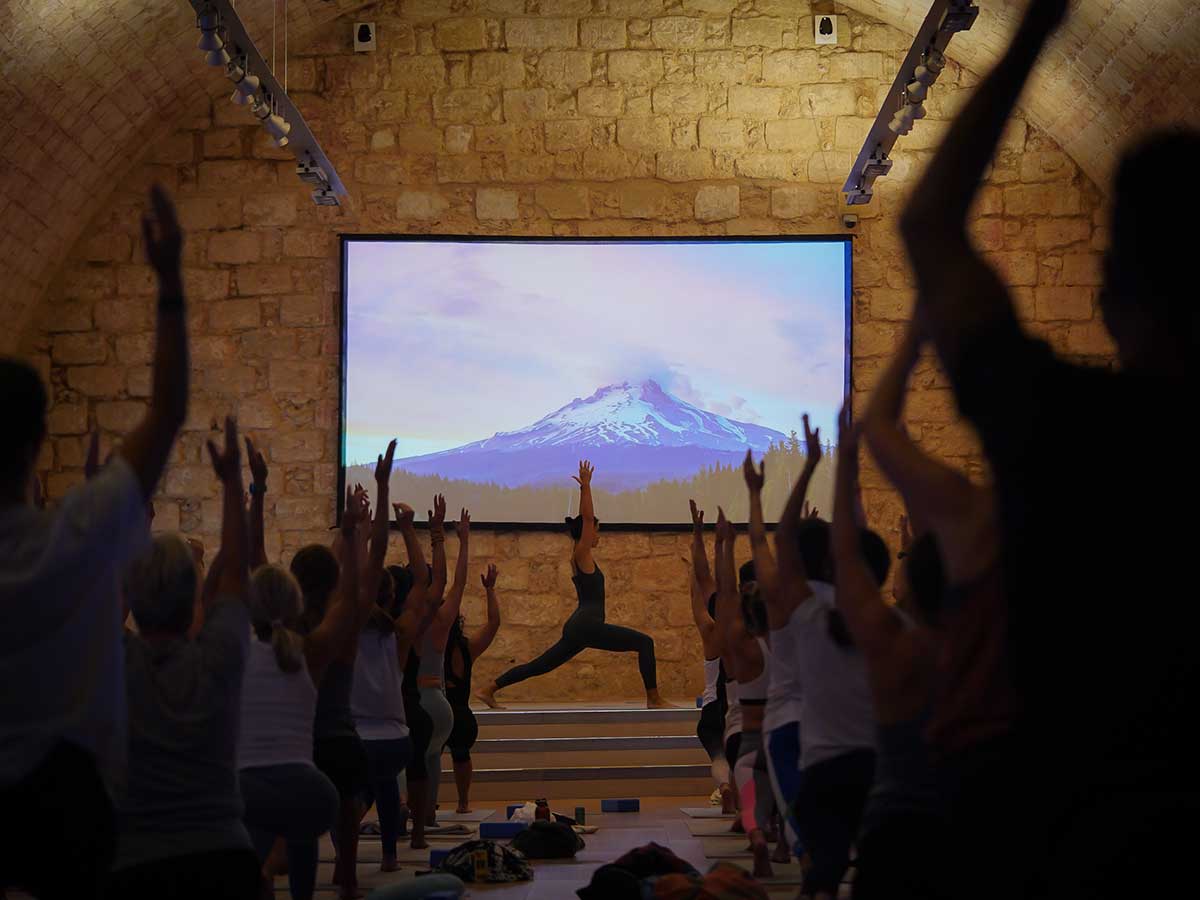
(726,848)
(451,828)
(475,815)
(706,812)
(712,828)
(371,857)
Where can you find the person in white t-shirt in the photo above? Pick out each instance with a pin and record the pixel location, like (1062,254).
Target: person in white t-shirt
(62,713)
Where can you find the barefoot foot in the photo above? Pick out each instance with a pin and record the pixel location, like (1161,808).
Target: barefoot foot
(762,856)
(488,696)
(728,801)
(389,864)
(654,700)
(463,810)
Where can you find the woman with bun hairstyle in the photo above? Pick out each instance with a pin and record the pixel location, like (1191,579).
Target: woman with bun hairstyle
(586,627)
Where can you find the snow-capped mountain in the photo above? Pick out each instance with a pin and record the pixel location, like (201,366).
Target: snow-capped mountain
(633,433)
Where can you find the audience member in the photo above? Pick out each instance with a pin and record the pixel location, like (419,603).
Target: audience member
(710,729)
(179,811)
(63,735)
(462,652)
(1099,782)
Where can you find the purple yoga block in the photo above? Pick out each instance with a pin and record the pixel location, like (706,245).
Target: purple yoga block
(500,830)
(625,804)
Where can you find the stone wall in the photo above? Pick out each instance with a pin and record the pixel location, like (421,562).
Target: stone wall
(562,117)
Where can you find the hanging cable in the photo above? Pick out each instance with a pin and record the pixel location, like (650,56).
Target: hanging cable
(274,7)
(285,43)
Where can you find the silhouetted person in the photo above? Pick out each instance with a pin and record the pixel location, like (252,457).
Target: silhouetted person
(62,710)
(1100,621)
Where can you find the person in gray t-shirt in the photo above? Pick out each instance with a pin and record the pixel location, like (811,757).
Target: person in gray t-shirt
(180,813)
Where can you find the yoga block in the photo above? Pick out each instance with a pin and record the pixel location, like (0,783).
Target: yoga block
(436,857)
(509,809)
(500,830)
(629,804)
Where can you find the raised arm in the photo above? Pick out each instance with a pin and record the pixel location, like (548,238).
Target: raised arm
(873,624)
(959,294)
(792,579)
(147,447)
(338,626)
(453,605)
(258,490)
(373,571)
(235,569)
(730,623)
(765,572)
(932,490)
(437,546)
(482,639)
(700,570)
(587,514)
(412,546)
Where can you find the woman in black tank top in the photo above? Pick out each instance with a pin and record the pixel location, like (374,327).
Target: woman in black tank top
(461,653)
(586,626)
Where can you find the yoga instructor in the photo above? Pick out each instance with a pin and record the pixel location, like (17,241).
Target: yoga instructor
(586,626)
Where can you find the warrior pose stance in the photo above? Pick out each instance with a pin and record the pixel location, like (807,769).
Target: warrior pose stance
(586,626)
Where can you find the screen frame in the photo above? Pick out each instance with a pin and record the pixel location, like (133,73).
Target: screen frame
(346,238)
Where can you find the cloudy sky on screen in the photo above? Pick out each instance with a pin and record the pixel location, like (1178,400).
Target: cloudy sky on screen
(451,342)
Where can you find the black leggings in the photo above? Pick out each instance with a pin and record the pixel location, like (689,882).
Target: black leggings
(584,632)
(420,732)
(711,729)
(829,809)
(463,734)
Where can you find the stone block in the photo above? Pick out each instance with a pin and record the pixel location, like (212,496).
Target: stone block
(522,105)
(460,34)
(1082,269)
(1042,200)
(269,209)
(727,67)
(635,66)
(253,281)
(501,69)
(791,67)
(541,33)
(1053,233)
(755,102)
(722,134)
(234,247)
(496,203)
(121,416)
(774,166)
(643,200)
(684,165)
(78,349)
(565,69)
(792,134)
(564,201)
(831,100)
(96,381)
(419,204)
(603,34)
(849,66)
(651,133)
(568,134)
(800,202)
(1058,303)
(67,418)
(475,106)
(760,31)
(680,99)
(234,315)
(716,203)
(677,32)
(602,102)
(421,73)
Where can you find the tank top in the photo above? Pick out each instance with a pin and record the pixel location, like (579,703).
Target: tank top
(754,691)
(458,690)
(733,714)
(377,701)
(590,590)
(333,718)
(783,693)
(712,677)
(433,661)
(278,708)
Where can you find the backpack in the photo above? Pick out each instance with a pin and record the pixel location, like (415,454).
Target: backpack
(504,864)
(548,840)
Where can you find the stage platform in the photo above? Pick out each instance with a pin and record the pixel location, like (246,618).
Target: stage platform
(587,751)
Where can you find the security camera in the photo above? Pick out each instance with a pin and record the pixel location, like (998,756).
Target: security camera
(850,220)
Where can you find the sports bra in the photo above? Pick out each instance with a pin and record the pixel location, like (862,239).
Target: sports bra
(712,675)
(754,691)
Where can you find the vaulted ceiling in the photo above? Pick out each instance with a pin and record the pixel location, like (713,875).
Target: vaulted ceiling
(85,85)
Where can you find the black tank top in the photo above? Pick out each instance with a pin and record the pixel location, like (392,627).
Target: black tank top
(408,687)
(458,690)
(590,588)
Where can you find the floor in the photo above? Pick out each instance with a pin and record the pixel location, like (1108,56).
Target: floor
(660,820)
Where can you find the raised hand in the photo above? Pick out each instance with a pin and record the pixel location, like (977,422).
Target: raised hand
(437,515)
(489,577)
(163,239)
(258,464)
(811,512)
(847,438)
(697,518)
(755,478)
(584,478)
(812,444)
(404,513)
(226,463)
(463,528)
(383,468)
(353,513)
(724,526)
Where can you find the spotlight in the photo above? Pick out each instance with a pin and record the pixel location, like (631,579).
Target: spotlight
(877,166)
(245,86)
(208,25)
(916,91)
(918,111)
(217,57)
(935,60)
(278,127)
(324,197)
(311,173)
(902,122)
(925,75)
(261,107)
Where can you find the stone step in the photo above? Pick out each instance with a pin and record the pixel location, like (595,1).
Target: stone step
(586,781)
(585,722)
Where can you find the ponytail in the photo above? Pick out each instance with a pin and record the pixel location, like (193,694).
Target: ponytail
(275,601)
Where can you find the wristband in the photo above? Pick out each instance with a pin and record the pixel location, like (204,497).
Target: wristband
(256,489)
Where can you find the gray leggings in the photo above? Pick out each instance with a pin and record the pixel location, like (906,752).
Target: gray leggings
(296,802)
(437,707)
(754,782)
